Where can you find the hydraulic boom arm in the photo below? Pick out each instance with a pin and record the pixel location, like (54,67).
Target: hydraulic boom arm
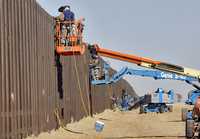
(148,63)
(156,74)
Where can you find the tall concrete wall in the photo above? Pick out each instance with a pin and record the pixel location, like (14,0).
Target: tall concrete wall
(34,83)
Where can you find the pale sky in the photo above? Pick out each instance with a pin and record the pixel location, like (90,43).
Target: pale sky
(165,30)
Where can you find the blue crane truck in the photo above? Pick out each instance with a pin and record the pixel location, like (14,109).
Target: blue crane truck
(159,102)
(161,71)
(160,105)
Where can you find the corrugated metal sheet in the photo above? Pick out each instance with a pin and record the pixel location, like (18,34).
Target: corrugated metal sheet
(34,83)
(28,79)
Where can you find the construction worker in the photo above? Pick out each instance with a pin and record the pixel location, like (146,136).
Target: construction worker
(114,101)
(68,14)
(64,40)
(63,27)
(66,28)
(80,27)
(124,97)
(61,17)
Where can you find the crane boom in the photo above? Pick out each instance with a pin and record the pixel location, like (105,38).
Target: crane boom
(124,57)
(156,74)
(148,63)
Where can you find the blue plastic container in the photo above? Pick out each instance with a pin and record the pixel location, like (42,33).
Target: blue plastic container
(99,126)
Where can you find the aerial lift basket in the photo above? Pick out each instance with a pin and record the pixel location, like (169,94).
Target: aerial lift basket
(74,45)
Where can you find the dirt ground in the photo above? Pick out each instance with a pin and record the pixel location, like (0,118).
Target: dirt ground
(125,125)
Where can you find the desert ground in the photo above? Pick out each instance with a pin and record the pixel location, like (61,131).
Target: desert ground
(124,125)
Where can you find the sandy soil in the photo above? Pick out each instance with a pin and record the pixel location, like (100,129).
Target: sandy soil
(125,125)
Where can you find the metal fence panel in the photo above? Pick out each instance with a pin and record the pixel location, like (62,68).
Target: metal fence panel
(34,83)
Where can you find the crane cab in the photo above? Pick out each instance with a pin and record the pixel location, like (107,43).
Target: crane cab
(68,37)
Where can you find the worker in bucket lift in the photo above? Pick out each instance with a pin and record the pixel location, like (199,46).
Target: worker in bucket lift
(61,15)
(67,28)
(94,56)
(80,27)
(69,17)
(63,26)
(68,14)
(94,63)
(64,40)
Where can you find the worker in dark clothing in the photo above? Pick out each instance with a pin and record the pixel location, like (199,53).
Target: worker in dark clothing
(67,29)
(127,101)
(124,98)
(61,11)
(68,14)
(71,28)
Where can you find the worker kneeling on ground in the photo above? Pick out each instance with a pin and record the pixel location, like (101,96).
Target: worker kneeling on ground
(124,103)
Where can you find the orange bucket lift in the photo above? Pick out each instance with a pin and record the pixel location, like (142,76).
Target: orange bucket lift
(68,38)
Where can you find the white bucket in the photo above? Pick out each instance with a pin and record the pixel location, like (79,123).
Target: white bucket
(99,126)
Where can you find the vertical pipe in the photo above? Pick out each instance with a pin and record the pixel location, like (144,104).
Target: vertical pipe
(7,75)
(12,68)
(1,94)
(2,47)
(17,69)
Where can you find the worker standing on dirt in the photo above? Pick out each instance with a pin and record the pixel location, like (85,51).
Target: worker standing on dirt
(127,101)
(124,99)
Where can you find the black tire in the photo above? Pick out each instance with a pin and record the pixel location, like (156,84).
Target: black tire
(189,128)
(141,109)
(162,109)
(170,108)
(184,114)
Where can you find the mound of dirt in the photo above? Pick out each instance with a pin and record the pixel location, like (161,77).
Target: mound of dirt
(124,125)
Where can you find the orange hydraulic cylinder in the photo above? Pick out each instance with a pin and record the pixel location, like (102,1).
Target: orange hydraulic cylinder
(124,57)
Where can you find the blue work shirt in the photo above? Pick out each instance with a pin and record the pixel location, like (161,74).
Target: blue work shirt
(68,15)
(125,104)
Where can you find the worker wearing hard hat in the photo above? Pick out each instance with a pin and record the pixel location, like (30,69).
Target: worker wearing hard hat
(66,15)
(60,10)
